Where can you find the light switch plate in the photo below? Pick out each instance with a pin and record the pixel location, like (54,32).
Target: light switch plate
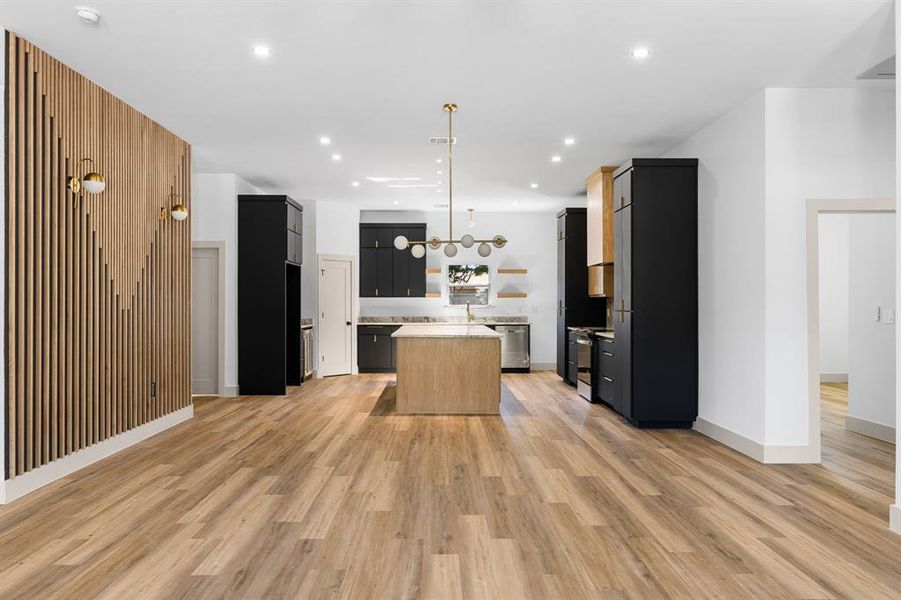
(888,315)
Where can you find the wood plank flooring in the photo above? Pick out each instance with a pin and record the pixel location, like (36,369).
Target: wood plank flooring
(325,493)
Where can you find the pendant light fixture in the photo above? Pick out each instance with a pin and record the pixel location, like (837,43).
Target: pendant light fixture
(450,244)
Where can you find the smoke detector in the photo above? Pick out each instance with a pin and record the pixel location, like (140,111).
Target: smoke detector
(87,15)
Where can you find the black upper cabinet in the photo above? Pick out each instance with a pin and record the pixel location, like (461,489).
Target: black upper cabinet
(270,252)
(574,306)
(386,272)
(656,292)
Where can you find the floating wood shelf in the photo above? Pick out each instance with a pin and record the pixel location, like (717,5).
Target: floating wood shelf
(433,294)
(512,295)
(509,271)
(433,271)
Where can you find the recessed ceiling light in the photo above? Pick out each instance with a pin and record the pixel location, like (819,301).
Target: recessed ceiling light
(355,183)
(336,157)
(569,141)
(641,53)
(396,202)
(439,172)
(533,186)
(438,160)
(325,140)
(515,202)
(87,14)
(556,158)
(261,51)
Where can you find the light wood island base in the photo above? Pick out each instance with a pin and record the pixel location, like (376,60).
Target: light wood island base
(448,370)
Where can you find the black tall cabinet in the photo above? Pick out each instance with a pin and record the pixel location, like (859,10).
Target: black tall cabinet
(270,254)
(574,307)
(655,308)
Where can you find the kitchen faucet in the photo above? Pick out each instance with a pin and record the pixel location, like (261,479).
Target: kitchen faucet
(469,317)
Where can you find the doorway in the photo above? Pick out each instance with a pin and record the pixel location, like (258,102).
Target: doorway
(207,318)
(336,319)
(851,338)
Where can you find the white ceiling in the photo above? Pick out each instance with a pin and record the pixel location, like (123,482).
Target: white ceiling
(373,77)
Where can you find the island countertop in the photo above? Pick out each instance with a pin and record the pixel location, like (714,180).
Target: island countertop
(444,330)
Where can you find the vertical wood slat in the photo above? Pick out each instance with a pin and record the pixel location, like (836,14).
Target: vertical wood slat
(11,127)
(98,293)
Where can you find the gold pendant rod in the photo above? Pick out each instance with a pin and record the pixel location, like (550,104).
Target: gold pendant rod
(450,108)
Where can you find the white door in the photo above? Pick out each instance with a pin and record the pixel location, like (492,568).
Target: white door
(335,318)
(204,320)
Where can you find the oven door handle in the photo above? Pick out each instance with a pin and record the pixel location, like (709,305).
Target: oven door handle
(583,342)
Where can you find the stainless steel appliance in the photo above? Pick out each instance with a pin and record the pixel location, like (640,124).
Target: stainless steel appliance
(584,345)
(514,347)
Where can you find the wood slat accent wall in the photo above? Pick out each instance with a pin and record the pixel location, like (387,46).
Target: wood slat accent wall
(98,294)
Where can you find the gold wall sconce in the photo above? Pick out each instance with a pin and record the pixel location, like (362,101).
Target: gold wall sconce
(179,211)
(91,182)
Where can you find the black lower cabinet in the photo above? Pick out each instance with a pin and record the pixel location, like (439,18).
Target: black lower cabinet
(376,349)
(605,372)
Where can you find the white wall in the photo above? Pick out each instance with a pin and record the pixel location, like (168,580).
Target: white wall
(759,164)
(730,268)
(820,144)
(895,512)
(3,283)
(872,343)
(532,245)
(834,233)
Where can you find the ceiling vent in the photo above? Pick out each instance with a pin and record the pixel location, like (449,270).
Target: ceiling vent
(884,70)
(441,140)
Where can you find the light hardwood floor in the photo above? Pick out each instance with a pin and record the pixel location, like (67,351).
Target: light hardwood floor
(326,494)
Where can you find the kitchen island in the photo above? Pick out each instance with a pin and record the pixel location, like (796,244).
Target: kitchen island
(448,369)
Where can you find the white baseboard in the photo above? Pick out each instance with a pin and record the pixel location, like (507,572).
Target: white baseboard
(771,454)
(870,429)
(894,518)
(544,366)
(729,438)
(17,487)
(833,378)
(231,391)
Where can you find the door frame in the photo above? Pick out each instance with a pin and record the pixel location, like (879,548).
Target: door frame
(815,208)
(219,246)
(354,309)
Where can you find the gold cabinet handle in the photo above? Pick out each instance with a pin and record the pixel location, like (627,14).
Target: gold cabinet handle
(373,339)
(376,291)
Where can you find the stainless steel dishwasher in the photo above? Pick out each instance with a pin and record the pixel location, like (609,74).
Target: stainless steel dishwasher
(514,347)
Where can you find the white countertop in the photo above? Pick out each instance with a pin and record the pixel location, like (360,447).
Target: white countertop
(399,323)
(443,330)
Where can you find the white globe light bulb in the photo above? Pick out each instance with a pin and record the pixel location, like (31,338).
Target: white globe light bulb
(401,242)
(418,251)
(484,249)
(450,251)
(467,241)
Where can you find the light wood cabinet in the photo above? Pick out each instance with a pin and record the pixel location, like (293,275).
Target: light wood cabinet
(600,281)
(600,216)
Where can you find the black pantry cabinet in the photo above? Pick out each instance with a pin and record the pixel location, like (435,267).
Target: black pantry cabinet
(270,254)
(655,307)
(385,271)
(575,308)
